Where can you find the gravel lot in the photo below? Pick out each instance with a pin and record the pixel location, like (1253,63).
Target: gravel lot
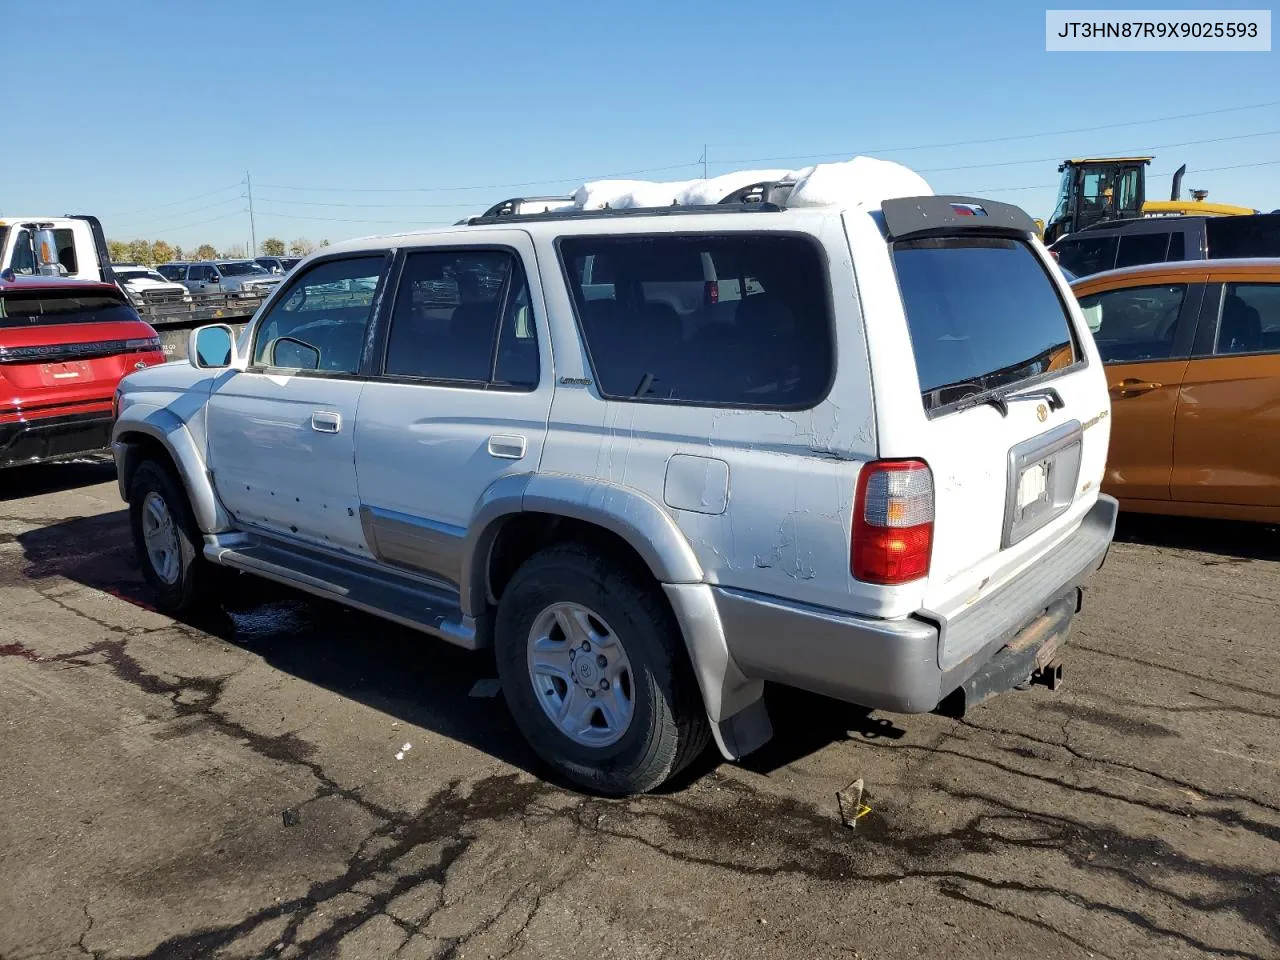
(230,787)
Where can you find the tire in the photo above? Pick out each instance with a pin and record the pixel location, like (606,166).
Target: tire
(667,727)
(186,581)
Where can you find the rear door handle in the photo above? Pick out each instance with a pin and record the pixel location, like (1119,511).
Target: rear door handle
(507,447)
(322,421)
(1133,387)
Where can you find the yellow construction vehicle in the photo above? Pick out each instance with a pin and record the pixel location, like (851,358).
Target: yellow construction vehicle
(1097,189)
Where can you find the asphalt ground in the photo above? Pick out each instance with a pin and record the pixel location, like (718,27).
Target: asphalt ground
(231,787)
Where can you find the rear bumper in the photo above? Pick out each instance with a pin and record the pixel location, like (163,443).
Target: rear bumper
(912,665)
(54,437)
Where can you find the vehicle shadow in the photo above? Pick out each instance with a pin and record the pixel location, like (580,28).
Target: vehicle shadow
(17,483)
(414,678)
(1237,540)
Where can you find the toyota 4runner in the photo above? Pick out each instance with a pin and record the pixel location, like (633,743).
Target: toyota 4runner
(864,461)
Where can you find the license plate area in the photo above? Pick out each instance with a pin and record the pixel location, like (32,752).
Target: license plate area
(1043,473)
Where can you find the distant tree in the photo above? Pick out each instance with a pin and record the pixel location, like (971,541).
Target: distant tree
(161,252)
(273,247)
(118,250)
(177,252)
(206,252)
(139,251)
(234,252)
(301,247)
(323,244)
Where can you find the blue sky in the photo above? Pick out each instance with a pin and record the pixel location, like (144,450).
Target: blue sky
(150,113)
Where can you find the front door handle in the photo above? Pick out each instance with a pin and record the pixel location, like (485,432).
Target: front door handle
(507,447)
(322,421)
(1132,387)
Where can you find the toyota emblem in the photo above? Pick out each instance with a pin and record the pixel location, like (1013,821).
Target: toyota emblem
(1042,412)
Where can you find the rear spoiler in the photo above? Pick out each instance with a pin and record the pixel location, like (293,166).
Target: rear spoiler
(911,217)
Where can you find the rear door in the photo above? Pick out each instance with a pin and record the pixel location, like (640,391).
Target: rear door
(985,316)
(1144,335)
(1225,435)
(459,398)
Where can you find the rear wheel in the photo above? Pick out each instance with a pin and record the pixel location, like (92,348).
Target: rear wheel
(595,673)
(167,540)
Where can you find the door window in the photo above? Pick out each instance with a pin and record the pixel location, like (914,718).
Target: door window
(1086,255)
(1138,248)
(1250,321)
(1137,323)
(463,317)
(320,323)
(23,261)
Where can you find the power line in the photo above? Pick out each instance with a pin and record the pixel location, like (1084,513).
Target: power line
(478,186)
(184,213)
(346,203)
(400,220)
(172,203)
(200,223)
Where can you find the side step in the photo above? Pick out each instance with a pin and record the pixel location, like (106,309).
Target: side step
(406,600)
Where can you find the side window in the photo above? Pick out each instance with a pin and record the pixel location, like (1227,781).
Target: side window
(1086,255)
(1177,246)
(664,334)
(1250,320)
(1138,248)
(66,243)
(1134,324)
(23,260)
(320,323)
(463,316)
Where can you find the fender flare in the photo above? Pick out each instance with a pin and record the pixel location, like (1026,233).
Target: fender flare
(165,428)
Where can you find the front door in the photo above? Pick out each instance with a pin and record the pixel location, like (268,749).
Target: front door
(282,432)
(461,399)
(1144,336)
(1225,438)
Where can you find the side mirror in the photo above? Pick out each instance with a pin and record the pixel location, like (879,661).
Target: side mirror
(293,354)
(212,347)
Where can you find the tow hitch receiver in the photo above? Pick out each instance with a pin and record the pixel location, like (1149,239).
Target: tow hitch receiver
(1049,677)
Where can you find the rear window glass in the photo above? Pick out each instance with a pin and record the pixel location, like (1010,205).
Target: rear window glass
(739,320)
(983,314)
(1246,236)
(20,309)
(1086,255)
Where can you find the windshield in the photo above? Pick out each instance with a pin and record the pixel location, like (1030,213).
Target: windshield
(1064,187)
(983,314)
(139,275)
(239,268)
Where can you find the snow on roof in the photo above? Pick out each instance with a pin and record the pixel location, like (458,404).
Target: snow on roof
(860,182)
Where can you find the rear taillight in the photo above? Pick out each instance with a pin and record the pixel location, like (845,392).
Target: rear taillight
(712,291)
(143,345)
(892,522)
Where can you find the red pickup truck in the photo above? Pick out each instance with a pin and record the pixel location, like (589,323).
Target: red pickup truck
(64,346)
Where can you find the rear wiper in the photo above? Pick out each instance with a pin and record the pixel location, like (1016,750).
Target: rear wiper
(1048,394)
(978,399)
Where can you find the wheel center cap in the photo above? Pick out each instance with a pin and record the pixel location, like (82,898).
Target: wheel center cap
(586,672)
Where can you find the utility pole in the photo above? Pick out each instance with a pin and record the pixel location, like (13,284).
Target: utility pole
(704,161)
(253,232)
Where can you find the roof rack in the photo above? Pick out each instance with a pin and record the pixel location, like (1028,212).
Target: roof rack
(776,192)
(672,210)
(515,206)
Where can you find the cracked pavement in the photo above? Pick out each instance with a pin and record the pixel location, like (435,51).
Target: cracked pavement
(229,786)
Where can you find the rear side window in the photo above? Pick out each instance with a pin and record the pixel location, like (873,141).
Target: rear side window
(659,329)
(1086,255)
(1138,248)
(1246,236)
(983,314)
(1134,324)
(19,309)
(1177,246)
(1250,320)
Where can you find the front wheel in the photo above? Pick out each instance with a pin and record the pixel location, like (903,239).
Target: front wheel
(595,673)
(167,540)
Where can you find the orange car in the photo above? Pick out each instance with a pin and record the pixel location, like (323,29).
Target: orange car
(1192,352)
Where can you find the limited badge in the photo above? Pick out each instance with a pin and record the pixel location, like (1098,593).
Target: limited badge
(1042,412)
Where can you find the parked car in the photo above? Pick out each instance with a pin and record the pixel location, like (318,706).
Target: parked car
(650,514)
(64,345)
(1127,243)
(175,270)
(233,278)
(277,265)
(1192,354)
(146,286)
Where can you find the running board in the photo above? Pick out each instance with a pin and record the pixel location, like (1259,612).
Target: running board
(405,600)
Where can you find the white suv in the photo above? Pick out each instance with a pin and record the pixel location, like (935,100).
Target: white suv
(871,472)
